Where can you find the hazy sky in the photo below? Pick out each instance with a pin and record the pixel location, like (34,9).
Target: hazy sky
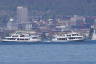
(87,7)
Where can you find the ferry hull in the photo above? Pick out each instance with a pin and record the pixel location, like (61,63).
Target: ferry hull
(21,40)
(68,40)
(39,41)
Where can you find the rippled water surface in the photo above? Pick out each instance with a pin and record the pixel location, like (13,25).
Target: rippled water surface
(69,53)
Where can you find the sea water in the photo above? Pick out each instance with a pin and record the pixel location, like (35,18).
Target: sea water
(65,53)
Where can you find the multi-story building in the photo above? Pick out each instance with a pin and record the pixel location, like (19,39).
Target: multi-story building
(22,18)
(22,15)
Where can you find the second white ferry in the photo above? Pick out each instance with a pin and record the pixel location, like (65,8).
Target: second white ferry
(66,37)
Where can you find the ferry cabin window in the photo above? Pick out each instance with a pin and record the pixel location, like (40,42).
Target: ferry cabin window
(15,36)
(62,39)
(72,38)
(11,38)
(75,38)
(68,35)
(21,39)
(21,35)
(78,37)
(74,34)
(26,39)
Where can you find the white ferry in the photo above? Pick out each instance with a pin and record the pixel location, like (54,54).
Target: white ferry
(22,37)
(68,37)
